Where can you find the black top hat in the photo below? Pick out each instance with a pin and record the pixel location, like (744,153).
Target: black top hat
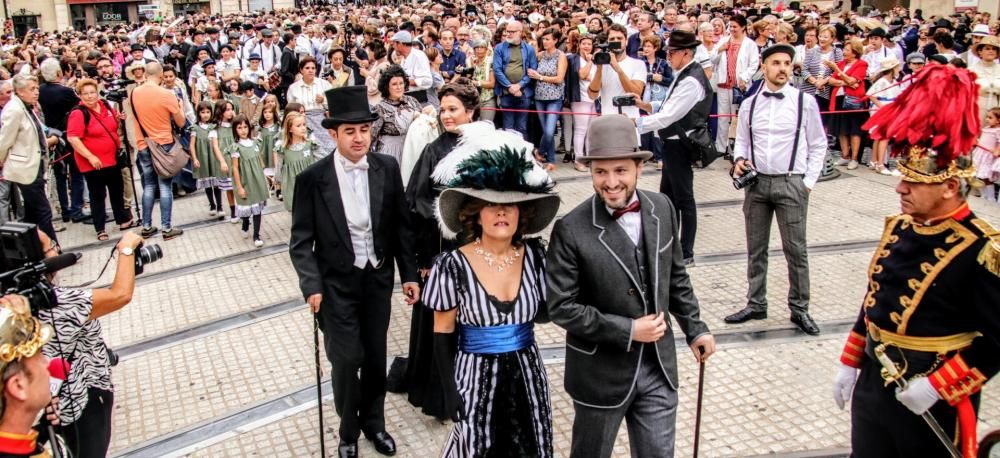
(348,105)
(680,39)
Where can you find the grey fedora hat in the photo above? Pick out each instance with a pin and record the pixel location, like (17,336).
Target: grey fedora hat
(613,136)
(452,200)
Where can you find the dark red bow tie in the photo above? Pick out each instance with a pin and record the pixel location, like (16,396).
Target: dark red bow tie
(632,207)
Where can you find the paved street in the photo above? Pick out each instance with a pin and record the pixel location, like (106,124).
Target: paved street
(217,354)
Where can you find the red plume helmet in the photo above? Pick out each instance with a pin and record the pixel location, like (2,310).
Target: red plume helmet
(933,124)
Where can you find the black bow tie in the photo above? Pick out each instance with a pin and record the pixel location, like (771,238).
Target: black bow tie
(776,95)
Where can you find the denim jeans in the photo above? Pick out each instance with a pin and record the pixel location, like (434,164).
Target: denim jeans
(150,182)
(66,173)
(515,120)
(548,144)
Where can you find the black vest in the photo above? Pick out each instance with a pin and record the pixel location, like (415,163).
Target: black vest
(698,116)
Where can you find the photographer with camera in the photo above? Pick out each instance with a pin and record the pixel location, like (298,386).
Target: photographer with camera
(92,131)
(780,147)
(679,121)
(87,395)
(25,378)
(618,74)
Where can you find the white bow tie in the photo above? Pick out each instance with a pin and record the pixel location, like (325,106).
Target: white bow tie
(360,165)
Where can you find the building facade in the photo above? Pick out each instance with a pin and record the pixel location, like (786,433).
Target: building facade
(51,15)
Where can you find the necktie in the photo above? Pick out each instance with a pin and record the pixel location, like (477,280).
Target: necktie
(632,207)
(360,165)
(776,95)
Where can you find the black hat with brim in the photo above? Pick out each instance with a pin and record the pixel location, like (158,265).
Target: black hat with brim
(777,48)
(680,39)
(348,105)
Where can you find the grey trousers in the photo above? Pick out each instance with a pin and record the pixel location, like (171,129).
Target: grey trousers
(5,196)
(786,197)
(650,414)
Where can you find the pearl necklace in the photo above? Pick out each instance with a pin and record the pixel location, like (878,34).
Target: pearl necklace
(505,261)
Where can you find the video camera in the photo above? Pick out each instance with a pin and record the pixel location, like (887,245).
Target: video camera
(25,267)
(114,90)
(603,56)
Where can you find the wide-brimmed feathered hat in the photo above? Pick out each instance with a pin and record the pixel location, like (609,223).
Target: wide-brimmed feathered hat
(933,125)
(494,166)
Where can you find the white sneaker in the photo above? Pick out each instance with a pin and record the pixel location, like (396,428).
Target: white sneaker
(211,213)
(887,172)
(246,233)
(842,161)
(234,220)
(895,173)
(852,165)
(258,243)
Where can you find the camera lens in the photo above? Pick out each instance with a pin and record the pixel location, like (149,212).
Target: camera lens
(150,253)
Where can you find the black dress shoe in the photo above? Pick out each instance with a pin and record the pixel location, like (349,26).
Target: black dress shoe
(383,443)
(83,218)
(348,450)
(745,315)
(805,323)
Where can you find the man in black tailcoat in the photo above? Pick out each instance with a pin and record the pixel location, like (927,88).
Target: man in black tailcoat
(350,222)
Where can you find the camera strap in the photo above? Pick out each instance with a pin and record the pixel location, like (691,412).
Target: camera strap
(798,130)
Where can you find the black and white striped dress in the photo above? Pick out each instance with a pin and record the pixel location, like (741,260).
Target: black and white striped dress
(506,395)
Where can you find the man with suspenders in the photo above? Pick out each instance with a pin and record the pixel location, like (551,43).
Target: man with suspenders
(780,135)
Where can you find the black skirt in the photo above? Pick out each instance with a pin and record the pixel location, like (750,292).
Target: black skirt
(847,124)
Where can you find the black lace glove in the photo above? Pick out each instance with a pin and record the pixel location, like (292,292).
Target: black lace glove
(445,348)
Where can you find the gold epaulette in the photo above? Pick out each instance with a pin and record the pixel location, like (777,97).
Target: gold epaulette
(989,256)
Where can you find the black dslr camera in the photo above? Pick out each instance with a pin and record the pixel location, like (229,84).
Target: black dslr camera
(748,179)
(465,72)
(603,56)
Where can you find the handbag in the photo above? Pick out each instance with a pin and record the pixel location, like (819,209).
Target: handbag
(853,103)
(701,145)
(166,162)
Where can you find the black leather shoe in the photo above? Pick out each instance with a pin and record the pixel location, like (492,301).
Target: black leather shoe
(348,450)
(805,323)
(745,315)
(383,443)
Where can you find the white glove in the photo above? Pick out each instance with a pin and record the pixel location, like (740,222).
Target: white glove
(918,396)
(843,384)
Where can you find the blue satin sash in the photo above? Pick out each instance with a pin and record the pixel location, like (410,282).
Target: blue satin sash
(492,340)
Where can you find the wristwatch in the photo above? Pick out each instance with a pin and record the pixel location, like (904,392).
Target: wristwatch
(126,251)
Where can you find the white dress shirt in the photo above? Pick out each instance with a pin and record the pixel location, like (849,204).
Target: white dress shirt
(306,94)
(630,222)
(774,133)
(224,67)
(354,195)
(683,95)
(418,69)
(875,58)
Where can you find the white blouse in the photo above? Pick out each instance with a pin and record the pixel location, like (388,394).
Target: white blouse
(305,94)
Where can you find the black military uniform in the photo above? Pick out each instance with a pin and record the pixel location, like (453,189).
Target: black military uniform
(931,311)
(932,302)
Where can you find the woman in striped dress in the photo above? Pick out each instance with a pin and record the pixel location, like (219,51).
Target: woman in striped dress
(486,296)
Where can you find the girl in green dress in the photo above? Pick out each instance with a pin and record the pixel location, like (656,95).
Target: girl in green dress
(269,128)
(209,166)
(224,114)
(248,178)
(295,152)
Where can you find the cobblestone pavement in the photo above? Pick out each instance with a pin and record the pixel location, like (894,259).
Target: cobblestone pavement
(218,347)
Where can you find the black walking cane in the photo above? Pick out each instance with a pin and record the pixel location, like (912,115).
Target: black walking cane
(697,413)
(319,388)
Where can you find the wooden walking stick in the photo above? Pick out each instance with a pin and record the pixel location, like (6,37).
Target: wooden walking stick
(697,413)
(319,387)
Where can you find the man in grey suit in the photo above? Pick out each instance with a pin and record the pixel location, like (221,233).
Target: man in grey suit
(614,266)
